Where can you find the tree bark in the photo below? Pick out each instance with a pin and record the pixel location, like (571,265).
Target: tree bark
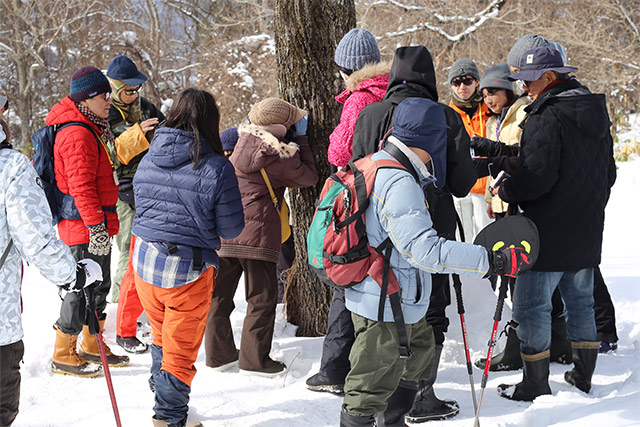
(306,33)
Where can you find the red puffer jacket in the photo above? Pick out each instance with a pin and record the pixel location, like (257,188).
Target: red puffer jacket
(84,171)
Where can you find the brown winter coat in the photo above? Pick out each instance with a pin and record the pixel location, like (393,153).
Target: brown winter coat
(288,164)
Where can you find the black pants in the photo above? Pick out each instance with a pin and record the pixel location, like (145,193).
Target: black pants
(603,307)
(10,357)
(73,310)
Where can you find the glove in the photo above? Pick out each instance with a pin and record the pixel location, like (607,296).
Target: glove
(99,240)
(509,164)
(486,147)
(507,261)
(300,127)
(87,273)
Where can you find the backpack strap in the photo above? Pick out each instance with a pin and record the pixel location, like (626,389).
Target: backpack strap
(197,254)
(402,159)
(274,199)
(5,254)
(394,300)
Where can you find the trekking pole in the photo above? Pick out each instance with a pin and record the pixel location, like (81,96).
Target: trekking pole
(103,353)
(457,286)
(504,285)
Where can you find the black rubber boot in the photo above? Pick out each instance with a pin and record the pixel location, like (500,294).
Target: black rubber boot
(350,420)
(509,359)
(398,404)
(535,379)
(584,355)
(319,382)
(427,407)
(560,344)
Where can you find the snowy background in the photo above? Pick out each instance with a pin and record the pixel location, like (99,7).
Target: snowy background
(231,399)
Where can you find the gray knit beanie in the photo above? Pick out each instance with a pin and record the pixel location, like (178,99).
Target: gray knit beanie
(464,67)
(496,78)
(525,43)
(356,49)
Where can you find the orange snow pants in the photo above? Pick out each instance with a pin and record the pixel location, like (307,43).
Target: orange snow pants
(178,317)
(129,306)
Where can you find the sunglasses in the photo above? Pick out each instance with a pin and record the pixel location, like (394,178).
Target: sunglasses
(466,80)
(132,91)
(526,83)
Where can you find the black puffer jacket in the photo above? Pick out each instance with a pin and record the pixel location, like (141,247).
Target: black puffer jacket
(566,175)
(412,75)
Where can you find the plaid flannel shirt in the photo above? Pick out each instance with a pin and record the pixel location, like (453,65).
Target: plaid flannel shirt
(163,270)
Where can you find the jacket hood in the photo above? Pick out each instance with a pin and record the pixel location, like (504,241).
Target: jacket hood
(370,75)
(172,147)
(259,146)
(66,111)
(413,64)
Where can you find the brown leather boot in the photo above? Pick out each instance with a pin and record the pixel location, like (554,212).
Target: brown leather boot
(91,352)
(66,361)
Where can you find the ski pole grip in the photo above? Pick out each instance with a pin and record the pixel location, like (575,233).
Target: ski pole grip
(457,287)
(501,296)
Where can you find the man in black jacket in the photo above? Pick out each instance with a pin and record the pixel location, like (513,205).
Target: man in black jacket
(412,75)
(563,185)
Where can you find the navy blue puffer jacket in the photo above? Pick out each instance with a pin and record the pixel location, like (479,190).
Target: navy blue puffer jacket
(184,206)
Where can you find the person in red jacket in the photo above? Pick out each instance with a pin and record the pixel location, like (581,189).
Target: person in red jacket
(83,162)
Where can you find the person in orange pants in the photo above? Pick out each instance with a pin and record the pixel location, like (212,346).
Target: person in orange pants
(129,309)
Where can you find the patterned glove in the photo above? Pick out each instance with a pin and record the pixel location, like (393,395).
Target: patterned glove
(507,261)
(87,273)
(99,240)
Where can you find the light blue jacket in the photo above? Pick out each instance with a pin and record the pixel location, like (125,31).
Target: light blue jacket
(398,210)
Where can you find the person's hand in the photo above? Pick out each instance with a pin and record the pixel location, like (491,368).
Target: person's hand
(300,127)
(482,146)
(507,261)
(99,239)
(87,273)
(490,212)
(149,124)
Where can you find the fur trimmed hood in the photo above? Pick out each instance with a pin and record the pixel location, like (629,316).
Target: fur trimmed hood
(271,136)
(368,72)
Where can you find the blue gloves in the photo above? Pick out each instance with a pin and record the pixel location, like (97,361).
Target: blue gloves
(300,127)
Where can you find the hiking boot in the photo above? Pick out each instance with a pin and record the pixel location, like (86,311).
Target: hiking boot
(585,355)
(131,344)
(66,361)
(560,344)
(273,368)
(607,347)
(535,379)
(509,359)
(183,423)
(90,351)
(224,366)
(350,420)
(319,382)
(426,406)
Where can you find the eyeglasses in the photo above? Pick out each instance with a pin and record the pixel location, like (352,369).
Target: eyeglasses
(132,91)
(526,83)
(466,80)
(105,96)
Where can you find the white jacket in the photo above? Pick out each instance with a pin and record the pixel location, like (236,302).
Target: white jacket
(25,218)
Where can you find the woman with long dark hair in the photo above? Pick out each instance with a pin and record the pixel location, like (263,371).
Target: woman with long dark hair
(187,198)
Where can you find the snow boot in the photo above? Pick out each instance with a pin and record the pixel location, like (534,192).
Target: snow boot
(535,379)
(349,420)
(560,344)
(585,355)
(183,423)
(398,404)
(426,406)
(90,351)
(131,344)
(607,347)
(509,359)
(319,382)
(66,361)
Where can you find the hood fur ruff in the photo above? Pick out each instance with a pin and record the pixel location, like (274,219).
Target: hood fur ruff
(269,135)
(367,72)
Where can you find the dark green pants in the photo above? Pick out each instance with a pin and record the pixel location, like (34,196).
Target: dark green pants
(376,366)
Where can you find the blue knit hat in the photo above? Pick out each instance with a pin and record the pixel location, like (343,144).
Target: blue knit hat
(356,49)
(420,123)
(123,69)
(88,82)
(229,139)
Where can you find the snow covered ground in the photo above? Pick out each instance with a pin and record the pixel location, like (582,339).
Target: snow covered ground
(231,399)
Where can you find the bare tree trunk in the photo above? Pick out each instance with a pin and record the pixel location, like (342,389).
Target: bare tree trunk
(307,32)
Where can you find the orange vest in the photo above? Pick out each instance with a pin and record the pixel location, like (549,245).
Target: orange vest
(476,125)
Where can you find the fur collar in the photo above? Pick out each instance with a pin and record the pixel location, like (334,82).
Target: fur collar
(269,136)
(366,73)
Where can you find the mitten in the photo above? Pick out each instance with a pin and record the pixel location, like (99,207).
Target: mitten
(87,273)
(507,261)
(300,127)
(99,239)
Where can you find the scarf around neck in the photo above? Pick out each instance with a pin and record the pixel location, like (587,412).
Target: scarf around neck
(107,135)
(131,112)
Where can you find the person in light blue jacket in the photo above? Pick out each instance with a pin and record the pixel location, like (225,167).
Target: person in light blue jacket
(398,211)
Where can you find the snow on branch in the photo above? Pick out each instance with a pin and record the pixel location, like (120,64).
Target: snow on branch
(628,18)
(478,20)
(626,64)
(179,70)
